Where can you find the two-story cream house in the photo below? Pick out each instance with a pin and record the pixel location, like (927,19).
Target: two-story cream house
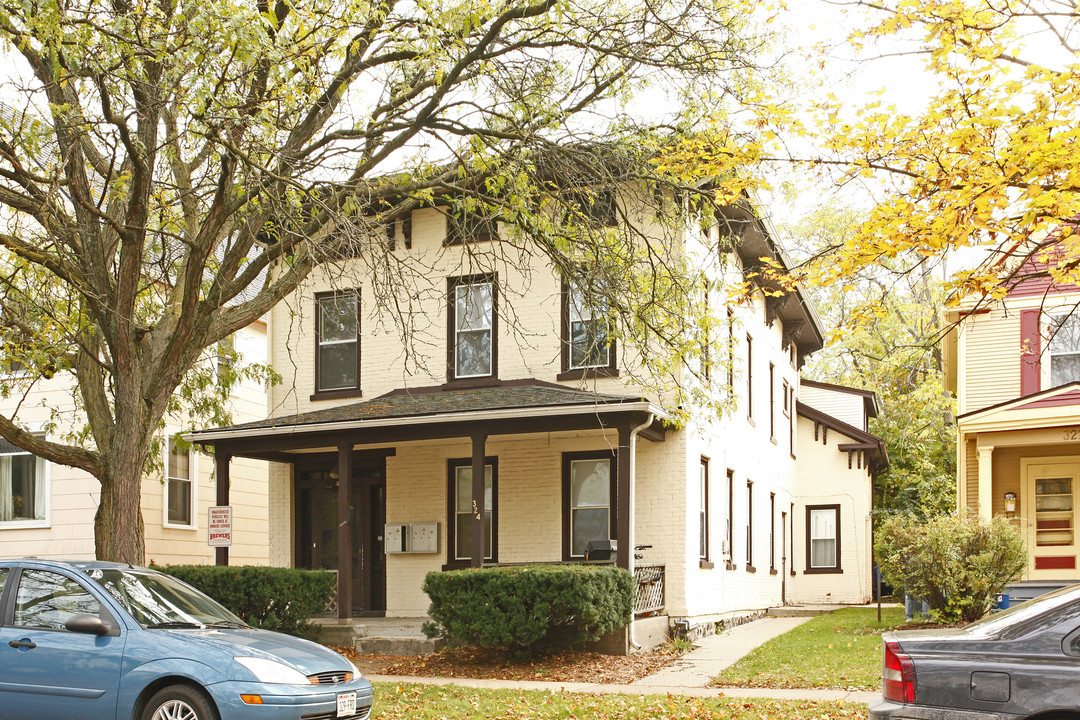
(517,438)
(47,510)
(1014,366)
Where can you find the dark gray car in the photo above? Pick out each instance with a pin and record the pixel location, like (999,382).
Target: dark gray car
(1023,662)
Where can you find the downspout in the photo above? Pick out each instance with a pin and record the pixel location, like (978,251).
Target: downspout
(633,509)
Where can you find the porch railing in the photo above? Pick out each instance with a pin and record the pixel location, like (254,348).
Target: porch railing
(331,609)
(650,589)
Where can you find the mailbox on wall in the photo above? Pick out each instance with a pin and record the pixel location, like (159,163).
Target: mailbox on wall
(416,538)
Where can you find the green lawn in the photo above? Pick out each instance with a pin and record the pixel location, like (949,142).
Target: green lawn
(428,702)
(840,650)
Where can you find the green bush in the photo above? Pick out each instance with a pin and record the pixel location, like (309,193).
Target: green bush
(530,608)
(956,565)
(272,598)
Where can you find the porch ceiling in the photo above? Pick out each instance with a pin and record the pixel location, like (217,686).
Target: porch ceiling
(512,407)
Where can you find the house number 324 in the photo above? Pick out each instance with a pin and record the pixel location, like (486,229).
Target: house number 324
(1072,433)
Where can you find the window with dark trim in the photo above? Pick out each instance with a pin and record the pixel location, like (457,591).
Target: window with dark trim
(791,421)
(472,328)
(791,538)
(772,533)
(703,512)
(399,230)
(729,521)
(596,208)
(588,350)
(731,350)
(823,539)
(588,500)
(460,513)
(470,227)
(750,526)
(337,344)
(749,378)
(772,402)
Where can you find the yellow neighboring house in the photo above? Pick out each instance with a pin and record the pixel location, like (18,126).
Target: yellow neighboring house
(1015,369)
(47,510)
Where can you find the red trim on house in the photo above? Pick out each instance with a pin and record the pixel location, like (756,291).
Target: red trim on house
(1056,562)
(1060,400)
(1031,351)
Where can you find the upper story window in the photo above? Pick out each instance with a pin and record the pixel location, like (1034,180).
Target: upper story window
(587,342)
(750,378)
(179,488)
(470,227)
(703,509)
(597,208)
(24,487)
(1064,350)
(337,345)
(472,337)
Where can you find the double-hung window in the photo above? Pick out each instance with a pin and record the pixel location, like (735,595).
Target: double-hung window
(588,500)
(1065,350)
(823,539)
(337,329)
(179,488)
(587,342)
(472,328)
(703,510)
(24,487)
(462,511)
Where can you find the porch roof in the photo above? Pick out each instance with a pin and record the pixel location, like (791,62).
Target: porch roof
(438,412)
(1056,406)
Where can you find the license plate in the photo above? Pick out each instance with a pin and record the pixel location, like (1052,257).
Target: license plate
(346,704)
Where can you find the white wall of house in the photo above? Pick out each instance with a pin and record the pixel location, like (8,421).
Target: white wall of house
(754,443)
(68,529)
(846,407)
(825,478)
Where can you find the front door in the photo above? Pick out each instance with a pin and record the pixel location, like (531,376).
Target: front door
(317,530)
(1050,498)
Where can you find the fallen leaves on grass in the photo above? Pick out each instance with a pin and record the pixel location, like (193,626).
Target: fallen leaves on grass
(402,701)
(467,662)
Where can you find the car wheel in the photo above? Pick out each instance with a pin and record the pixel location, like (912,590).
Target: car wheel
(180,702)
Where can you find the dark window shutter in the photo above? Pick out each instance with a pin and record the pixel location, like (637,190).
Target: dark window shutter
(1031,352)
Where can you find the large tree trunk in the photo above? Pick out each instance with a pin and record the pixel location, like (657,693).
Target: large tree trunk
(118,524)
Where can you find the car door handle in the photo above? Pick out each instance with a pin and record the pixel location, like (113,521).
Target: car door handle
(28,644)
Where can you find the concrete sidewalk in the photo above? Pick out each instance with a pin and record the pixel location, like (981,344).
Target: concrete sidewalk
(688,676)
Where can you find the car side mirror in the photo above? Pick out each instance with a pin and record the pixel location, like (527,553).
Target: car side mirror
(88,624)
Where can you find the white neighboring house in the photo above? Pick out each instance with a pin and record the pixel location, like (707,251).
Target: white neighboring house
(570,452)
(47,510)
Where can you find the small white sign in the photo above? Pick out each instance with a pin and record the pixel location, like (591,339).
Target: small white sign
(219,526)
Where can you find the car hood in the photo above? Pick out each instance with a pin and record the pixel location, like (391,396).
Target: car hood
(308,657)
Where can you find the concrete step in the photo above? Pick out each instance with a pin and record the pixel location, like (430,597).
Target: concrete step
(397,645)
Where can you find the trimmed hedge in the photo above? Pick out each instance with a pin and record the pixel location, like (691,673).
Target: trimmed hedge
(272,598)
(529,608)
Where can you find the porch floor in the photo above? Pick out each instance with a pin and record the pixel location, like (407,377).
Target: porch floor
(379,635)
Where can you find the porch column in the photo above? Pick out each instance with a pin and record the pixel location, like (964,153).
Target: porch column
(986,482)
(345,542)
(624,553)
(221,461)
(478,443)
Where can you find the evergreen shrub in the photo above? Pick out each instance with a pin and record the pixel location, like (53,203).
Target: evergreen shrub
(272,598)
(530,608)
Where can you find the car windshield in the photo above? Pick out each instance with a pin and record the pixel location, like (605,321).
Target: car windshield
(157,600)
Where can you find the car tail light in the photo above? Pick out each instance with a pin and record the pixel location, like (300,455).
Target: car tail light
(899,674)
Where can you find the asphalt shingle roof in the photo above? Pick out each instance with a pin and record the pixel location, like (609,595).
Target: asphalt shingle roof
(438,401)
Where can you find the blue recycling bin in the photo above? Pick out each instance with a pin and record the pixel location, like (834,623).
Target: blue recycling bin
(1002,601)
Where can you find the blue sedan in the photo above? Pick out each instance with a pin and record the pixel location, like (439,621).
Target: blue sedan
(100,640)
